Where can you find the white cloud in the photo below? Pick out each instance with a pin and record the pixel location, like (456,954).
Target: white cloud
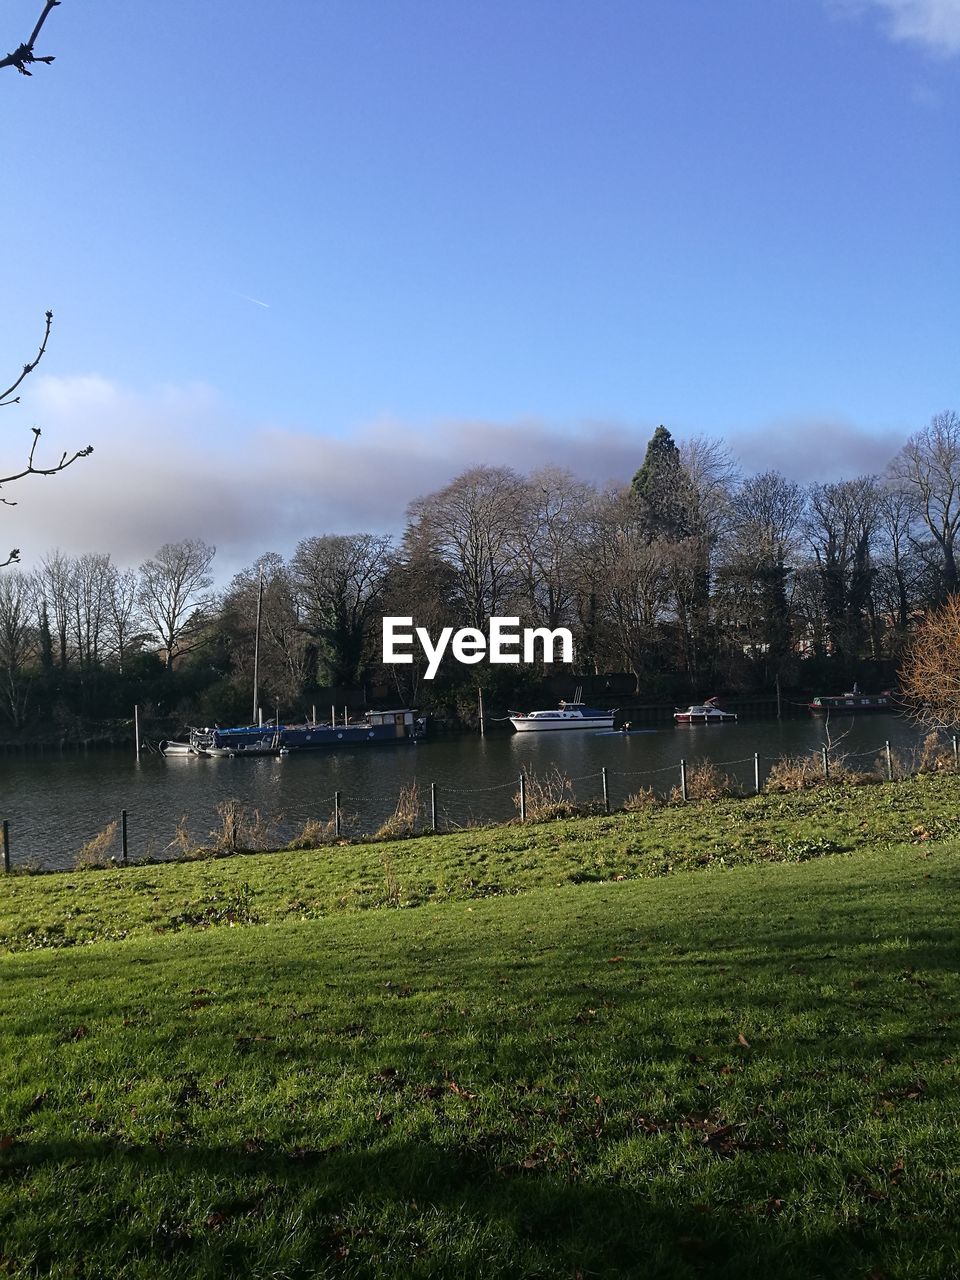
(174,464)
(934,24)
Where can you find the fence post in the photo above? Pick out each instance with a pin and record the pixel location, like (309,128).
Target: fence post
(956,752)
(336,814)
(433,806)
(606,789)
(123,836)
(756,772)
(6,846)
(683,779)
(889,762)
(523,798)
(826,762)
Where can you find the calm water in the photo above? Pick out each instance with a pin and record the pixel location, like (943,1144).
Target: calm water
(55,803)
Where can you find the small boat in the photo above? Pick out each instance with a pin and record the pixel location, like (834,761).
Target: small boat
(853,704)
(569,715)
(168,748)
(704,713)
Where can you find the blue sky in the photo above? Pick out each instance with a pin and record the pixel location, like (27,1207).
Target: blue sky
(483,232)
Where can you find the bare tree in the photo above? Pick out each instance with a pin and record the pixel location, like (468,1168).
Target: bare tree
(54,586)
(473,524)
(284,644)
(88,606)
(841,529)
(175,594)
(928,466)
(624,586)
(550,537)
(753,580)
(340,579)
(122,617)
(16,634)
(902,572)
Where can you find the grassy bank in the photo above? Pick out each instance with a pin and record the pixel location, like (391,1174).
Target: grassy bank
(751,1073)
(66,908)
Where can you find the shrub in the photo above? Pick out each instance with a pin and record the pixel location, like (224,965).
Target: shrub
(403,820)
(182,840)
(314,833)
(795,773)
(706,782)
(240,831)
(548,796)
(638,801)
(97,852)
(934,756)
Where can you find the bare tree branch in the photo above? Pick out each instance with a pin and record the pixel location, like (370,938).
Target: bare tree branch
(27,368)
(31,469)
(23,55)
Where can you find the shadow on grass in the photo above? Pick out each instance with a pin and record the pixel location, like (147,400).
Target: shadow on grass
(369,1212)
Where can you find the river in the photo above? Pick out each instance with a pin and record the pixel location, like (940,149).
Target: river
(54,803)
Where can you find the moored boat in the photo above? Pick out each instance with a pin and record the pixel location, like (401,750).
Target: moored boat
(704,713)
(569,715)
(401,725)
(853,704)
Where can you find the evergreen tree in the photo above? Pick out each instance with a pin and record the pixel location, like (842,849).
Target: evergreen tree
(660,490)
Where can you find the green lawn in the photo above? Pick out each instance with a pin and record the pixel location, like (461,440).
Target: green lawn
(736,1071)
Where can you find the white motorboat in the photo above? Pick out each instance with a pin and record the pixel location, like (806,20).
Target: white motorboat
(704,713)
(569,715)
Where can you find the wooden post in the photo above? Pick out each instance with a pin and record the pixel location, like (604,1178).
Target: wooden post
(6,846)
(756,772)
(136,730)
(606,791)
(683,779)
(336,814)
(523,798)
(433,806)
(482,730)
(889,761)
(826,762)
(123,837)
(956,752)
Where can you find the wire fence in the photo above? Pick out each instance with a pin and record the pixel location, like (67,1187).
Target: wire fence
(437,807)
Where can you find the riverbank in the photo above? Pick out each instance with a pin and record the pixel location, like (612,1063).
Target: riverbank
(575,1056)
(67,908)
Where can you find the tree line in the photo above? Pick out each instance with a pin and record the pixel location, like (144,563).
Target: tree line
(689,578)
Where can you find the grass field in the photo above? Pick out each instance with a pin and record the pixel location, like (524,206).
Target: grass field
(574,1057)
